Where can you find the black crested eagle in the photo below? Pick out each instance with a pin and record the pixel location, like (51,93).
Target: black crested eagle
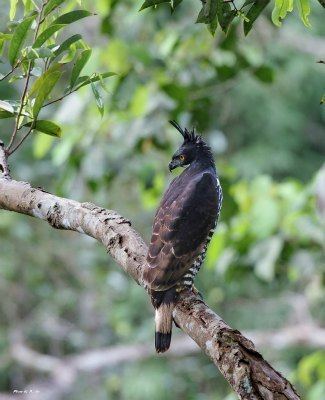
(183,226)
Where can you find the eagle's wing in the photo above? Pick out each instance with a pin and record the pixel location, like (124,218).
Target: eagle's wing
(182,223)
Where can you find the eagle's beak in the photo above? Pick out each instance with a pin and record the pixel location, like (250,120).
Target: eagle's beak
(172,165)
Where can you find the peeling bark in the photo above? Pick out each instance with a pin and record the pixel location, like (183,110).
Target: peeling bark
(250,376)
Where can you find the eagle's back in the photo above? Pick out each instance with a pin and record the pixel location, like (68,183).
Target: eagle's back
(184,219)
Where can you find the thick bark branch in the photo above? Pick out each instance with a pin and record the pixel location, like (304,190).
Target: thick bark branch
(235,356)
(64,372)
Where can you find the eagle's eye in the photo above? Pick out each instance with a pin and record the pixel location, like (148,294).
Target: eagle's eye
(181,157)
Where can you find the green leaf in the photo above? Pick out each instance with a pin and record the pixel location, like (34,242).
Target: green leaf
(212,27)
(5,36)
(44,91)
(225,15)
(66,44)
(28,6)
(86,80)
(14,103)
(79,65)
(52,5)
(311,368)
(40,81)
(304,11)
(175,3)
(45,35)
(265,74)
(18,38)
(281,8)
(42,52)
(71,17)
(253,13)
(248,2)
(69,56)
(6,110)
(12,25)
(36,71)
(208,12)
(13,9)
(5,114)
(6,107)
(151,3)
(98,98)
(44,126)
(16,78)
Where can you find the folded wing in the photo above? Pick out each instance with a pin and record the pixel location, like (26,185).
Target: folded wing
(182,223)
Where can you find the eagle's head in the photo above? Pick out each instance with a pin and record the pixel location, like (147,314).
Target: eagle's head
(191,148)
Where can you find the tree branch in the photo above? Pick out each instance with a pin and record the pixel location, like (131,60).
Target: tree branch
(21,141)
(250,376)
(64,372)
(108,357)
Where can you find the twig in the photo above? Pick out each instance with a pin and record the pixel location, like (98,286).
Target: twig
(22,104)
(60,98)
(234,5)
(9,152)
(8,73)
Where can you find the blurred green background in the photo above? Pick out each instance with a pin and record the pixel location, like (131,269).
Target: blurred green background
(256,101)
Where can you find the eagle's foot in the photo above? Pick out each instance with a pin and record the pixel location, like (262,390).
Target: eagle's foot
(196,292)
(176,324)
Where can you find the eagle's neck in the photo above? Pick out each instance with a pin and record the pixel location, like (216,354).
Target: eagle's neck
(204,159)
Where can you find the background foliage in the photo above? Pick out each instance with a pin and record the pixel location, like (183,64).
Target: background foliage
(255,99)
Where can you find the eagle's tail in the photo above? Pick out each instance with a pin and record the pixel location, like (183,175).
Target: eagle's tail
(164,303)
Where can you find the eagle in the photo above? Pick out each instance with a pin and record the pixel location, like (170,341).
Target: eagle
(183,226)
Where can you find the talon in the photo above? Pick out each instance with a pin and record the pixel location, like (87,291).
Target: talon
(176,324)
(196,292)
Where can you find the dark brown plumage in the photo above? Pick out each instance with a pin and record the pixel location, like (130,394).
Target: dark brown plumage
(183,226)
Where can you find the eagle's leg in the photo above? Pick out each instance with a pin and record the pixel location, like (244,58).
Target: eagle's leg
(187,282)
(180,289)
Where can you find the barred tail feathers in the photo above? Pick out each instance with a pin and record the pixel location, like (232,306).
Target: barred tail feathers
(164,303)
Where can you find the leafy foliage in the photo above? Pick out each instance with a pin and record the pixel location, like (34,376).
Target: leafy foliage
(48,127)
(225,12)
(253,13)
(35,56)
(18,38)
